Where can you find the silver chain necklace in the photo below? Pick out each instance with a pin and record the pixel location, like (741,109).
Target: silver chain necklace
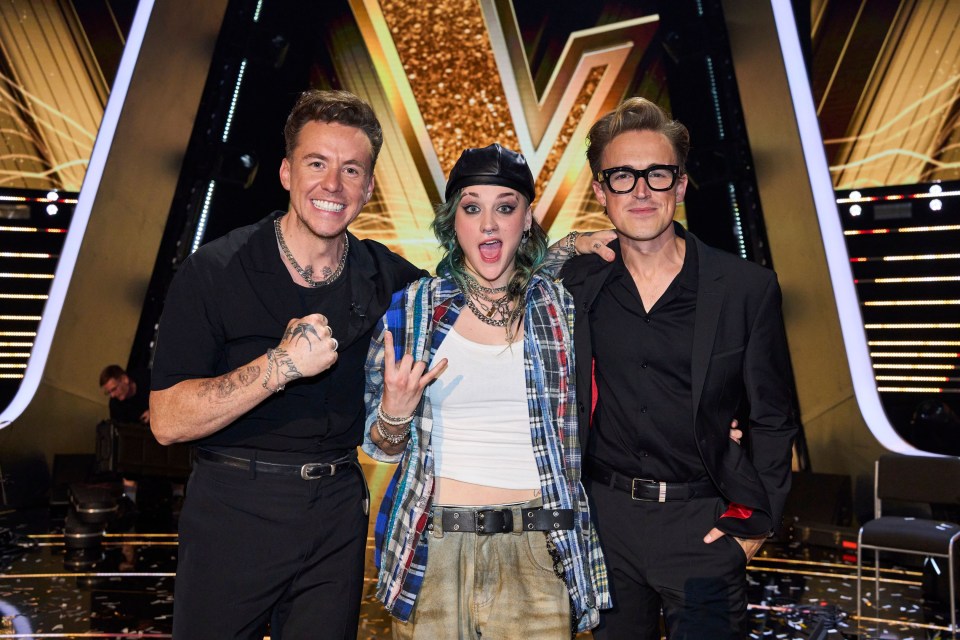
(500,306)
(307,274)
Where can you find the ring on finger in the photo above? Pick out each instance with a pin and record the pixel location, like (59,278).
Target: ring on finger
(330,330)
(335,343)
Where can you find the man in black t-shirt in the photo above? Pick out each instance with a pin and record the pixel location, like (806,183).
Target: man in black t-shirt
(259,361)
(129,394)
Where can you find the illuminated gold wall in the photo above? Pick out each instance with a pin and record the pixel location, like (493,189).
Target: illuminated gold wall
(886,80)
(52,95)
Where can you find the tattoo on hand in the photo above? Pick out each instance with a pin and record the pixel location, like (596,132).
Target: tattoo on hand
(302,332)
(285,365)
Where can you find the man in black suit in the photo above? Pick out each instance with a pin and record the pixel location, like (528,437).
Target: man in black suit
(675,336)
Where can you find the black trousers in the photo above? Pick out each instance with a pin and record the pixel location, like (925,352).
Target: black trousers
(259,548)
(656,559)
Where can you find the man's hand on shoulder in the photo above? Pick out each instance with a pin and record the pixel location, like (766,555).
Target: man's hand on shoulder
(596,242)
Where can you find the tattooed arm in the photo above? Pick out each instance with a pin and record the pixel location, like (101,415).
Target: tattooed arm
(196,408)
(576,243)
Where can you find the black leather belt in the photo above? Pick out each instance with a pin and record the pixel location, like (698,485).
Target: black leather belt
(488,521)
(649,490)
(309,471)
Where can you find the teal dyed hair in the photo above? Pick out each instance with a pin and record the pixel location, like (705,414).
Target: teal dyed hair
(528,259)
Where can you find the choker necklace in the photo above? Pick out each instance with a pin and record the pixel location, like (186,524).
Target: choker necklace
(307,274)
(486,308)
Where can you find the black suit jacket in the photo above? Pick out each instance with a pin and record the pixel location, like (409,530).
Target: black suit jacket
(739,353)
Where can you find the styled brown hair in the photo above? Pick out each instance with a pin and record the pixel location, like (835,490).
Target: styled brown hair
(111,372)
(338,106)
(636,114)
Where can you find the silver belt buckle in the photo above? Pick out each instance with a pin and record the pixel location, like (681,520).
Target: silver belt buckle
(661,490)
(306,471)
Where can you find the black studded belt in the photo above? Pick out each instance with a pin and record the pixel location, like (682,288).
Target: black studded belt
(484,521)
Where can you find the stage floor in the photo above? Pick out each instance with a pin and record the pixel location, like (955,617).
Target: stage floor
(129,593)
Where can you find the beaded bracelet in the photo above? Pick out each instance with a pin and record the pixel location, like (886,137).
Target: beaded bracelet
(392,420)
(392,438)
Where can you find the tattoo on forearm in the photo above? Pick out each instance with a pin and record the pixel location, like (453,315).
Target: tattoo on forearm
(285,365)
(555,259)
(224,386)
(247,375)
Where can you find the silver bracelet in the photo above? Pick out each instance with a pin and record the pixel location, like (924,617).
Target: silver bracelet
(392,438)
(570,242)
(392,420)
(266,378)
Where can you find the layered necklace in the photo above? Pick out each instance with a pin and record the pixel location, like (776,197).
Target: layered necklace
(485,304)
(307,274)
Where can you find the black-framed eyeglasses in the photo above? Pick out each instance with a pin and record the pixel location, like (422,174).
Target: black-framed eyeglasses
(659,177)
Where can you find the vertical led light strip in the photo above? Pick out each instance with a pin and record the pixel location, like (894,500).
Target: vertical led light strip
(208,200)
(838,261)
(81,215)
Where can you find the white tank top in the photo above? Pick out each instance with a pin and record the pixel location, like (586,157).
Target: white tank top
(481,422)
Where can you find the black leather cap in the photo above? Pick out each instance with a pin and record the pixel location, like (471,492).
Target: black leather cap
(491,165)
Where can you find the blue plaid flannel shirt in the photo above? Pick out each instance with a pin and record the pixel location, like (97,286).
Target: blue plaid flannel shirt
(419,318)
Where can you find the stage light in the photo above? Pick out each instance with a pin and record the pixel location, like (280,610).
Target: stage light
(855,195)
(914,325)
(53,196)
(913,343)
(19,254)
(935,189)
(28,276)
(912,354)
(909,303)
(856,210)
(936,204)
(52,209)
(928,367)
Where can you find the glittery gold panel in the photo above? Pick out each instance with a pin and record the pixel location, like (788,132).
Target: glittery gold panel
(449,63)
(455,76)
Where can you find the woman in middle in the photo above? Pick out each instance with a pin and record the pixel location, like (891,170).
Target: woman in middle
(471,388)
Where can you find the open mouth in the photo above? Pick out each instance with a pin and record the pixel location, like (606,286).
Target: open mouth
(327,205)
(490,251)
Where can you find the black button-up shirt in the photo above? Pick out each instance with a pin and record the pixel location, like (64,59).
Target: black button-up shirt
(643,424)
